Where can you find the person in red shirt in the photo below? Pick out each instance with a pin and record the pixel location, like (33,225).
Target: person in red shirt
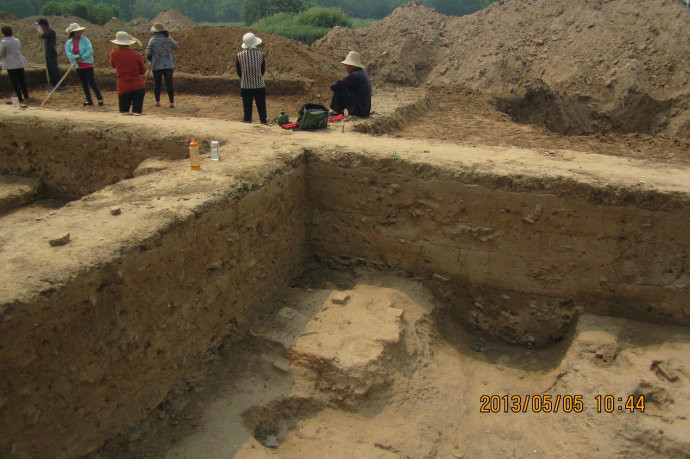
(130,70)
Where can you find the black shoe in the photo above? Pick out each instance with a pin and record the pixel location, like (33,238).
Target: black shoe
(88,103)
(100,103)
(245,121)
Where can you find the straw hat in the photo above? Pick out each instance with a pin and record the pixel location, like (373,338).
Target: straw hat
(250,41)
(353,59)
(158,27)
(74,27)
(123,38)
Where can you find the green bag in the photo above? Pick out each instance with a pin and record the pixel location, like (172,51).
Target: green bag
(312,117)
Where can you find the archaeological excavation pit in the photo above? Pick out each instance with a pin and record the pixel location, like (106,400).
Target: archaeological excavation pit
(335,295)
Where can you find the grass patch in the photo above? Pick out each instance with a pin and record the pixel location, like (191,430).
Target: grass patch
(359,23)
(229,24)
(307,26)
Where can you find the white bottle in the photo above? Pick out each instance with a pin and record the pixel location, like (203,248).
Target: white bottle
(15,100)
(214,150)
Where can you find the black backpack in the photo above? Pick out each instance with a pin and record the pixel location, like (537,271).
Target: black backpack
(312,117)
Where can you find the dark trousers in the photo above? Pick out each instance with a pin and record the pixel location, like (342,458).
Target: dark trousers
(343,99)
(18,80)
(158,76)
(87,79)
(259,95)
(134,99)
(53,69)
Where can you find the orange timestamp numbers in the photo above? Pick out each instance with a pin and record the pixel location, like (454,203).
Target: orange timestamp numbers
(559,403)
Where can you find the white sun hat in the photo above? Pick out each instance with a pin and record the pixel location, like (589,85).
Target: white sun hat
(74,27)
(123,38)
(353,59)
(250,41)
(158,27)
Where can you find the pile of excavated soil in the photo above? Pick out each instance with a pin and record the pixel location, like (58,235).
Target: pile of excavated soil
(398,49)
(623,55)
(284,57)
(171,19)
(114,25)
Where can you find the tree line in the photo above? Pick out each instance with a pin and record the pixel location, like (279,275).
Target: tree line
(247,11)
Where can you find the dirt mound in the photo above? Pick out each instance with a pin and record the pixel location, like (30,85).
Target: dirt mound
(171,19)
(114,25)
(401,48)
(284,57)
(619,59)
(32,46)
(5,16)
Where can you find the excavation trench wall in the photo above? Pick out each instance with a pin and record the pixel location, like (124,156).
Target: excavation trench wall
(77,160)
(89,359)
(515,258)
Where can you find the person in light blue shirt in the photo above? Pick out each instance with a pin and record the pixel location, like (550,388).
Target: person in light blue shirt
(79,51)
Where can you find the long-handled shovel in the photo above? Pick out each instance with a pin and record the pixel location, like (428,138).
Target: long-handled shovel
(58,85)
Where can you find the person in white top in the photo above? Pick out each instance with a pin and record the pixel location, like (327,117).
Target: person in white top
(14,63)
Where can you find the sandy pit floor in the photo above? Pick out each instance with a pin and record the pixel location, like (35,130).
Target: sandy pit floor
(344,365)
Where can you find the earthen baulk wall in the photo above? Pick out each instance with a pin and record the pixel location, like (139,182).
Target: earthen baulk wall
(77,160)
(92,358)
(516,258)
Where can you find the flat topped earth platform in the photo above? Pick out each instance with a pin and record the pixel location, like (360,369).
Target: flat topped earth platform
(514,242)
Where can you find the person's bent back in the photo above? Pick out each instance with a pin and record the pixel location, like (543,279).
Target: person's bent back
(354,91)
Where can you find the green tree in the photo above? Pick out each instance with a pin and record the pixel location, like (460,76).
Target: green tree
(52,8)
(253,10)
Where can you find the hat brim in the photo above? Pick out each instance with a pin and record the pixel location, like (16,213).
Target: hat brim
(158,30)
(257,41)
(353,63)
(76,30)
(118,42)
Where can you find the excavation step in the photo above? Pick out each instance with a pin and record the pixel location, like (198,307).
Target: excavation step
(15,191)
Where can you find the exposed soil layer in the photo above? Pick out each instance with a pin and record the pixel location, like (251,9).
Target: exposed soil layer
(624,62)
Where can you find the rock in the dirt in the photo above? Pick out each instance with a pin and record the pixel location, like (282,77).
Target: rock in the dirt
(59,240)
(288,313)
(340,298)
(282,364)
(271,441)
(115,210)
(478,345)
(662,369)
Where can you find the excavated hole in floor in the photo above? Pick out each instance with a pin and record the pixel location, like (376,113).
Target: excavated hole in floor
(581,115)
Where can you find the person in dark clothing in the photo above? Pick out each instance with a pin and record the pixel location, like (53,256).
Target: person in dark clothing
(251,67)
(354,91)
(49,37)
